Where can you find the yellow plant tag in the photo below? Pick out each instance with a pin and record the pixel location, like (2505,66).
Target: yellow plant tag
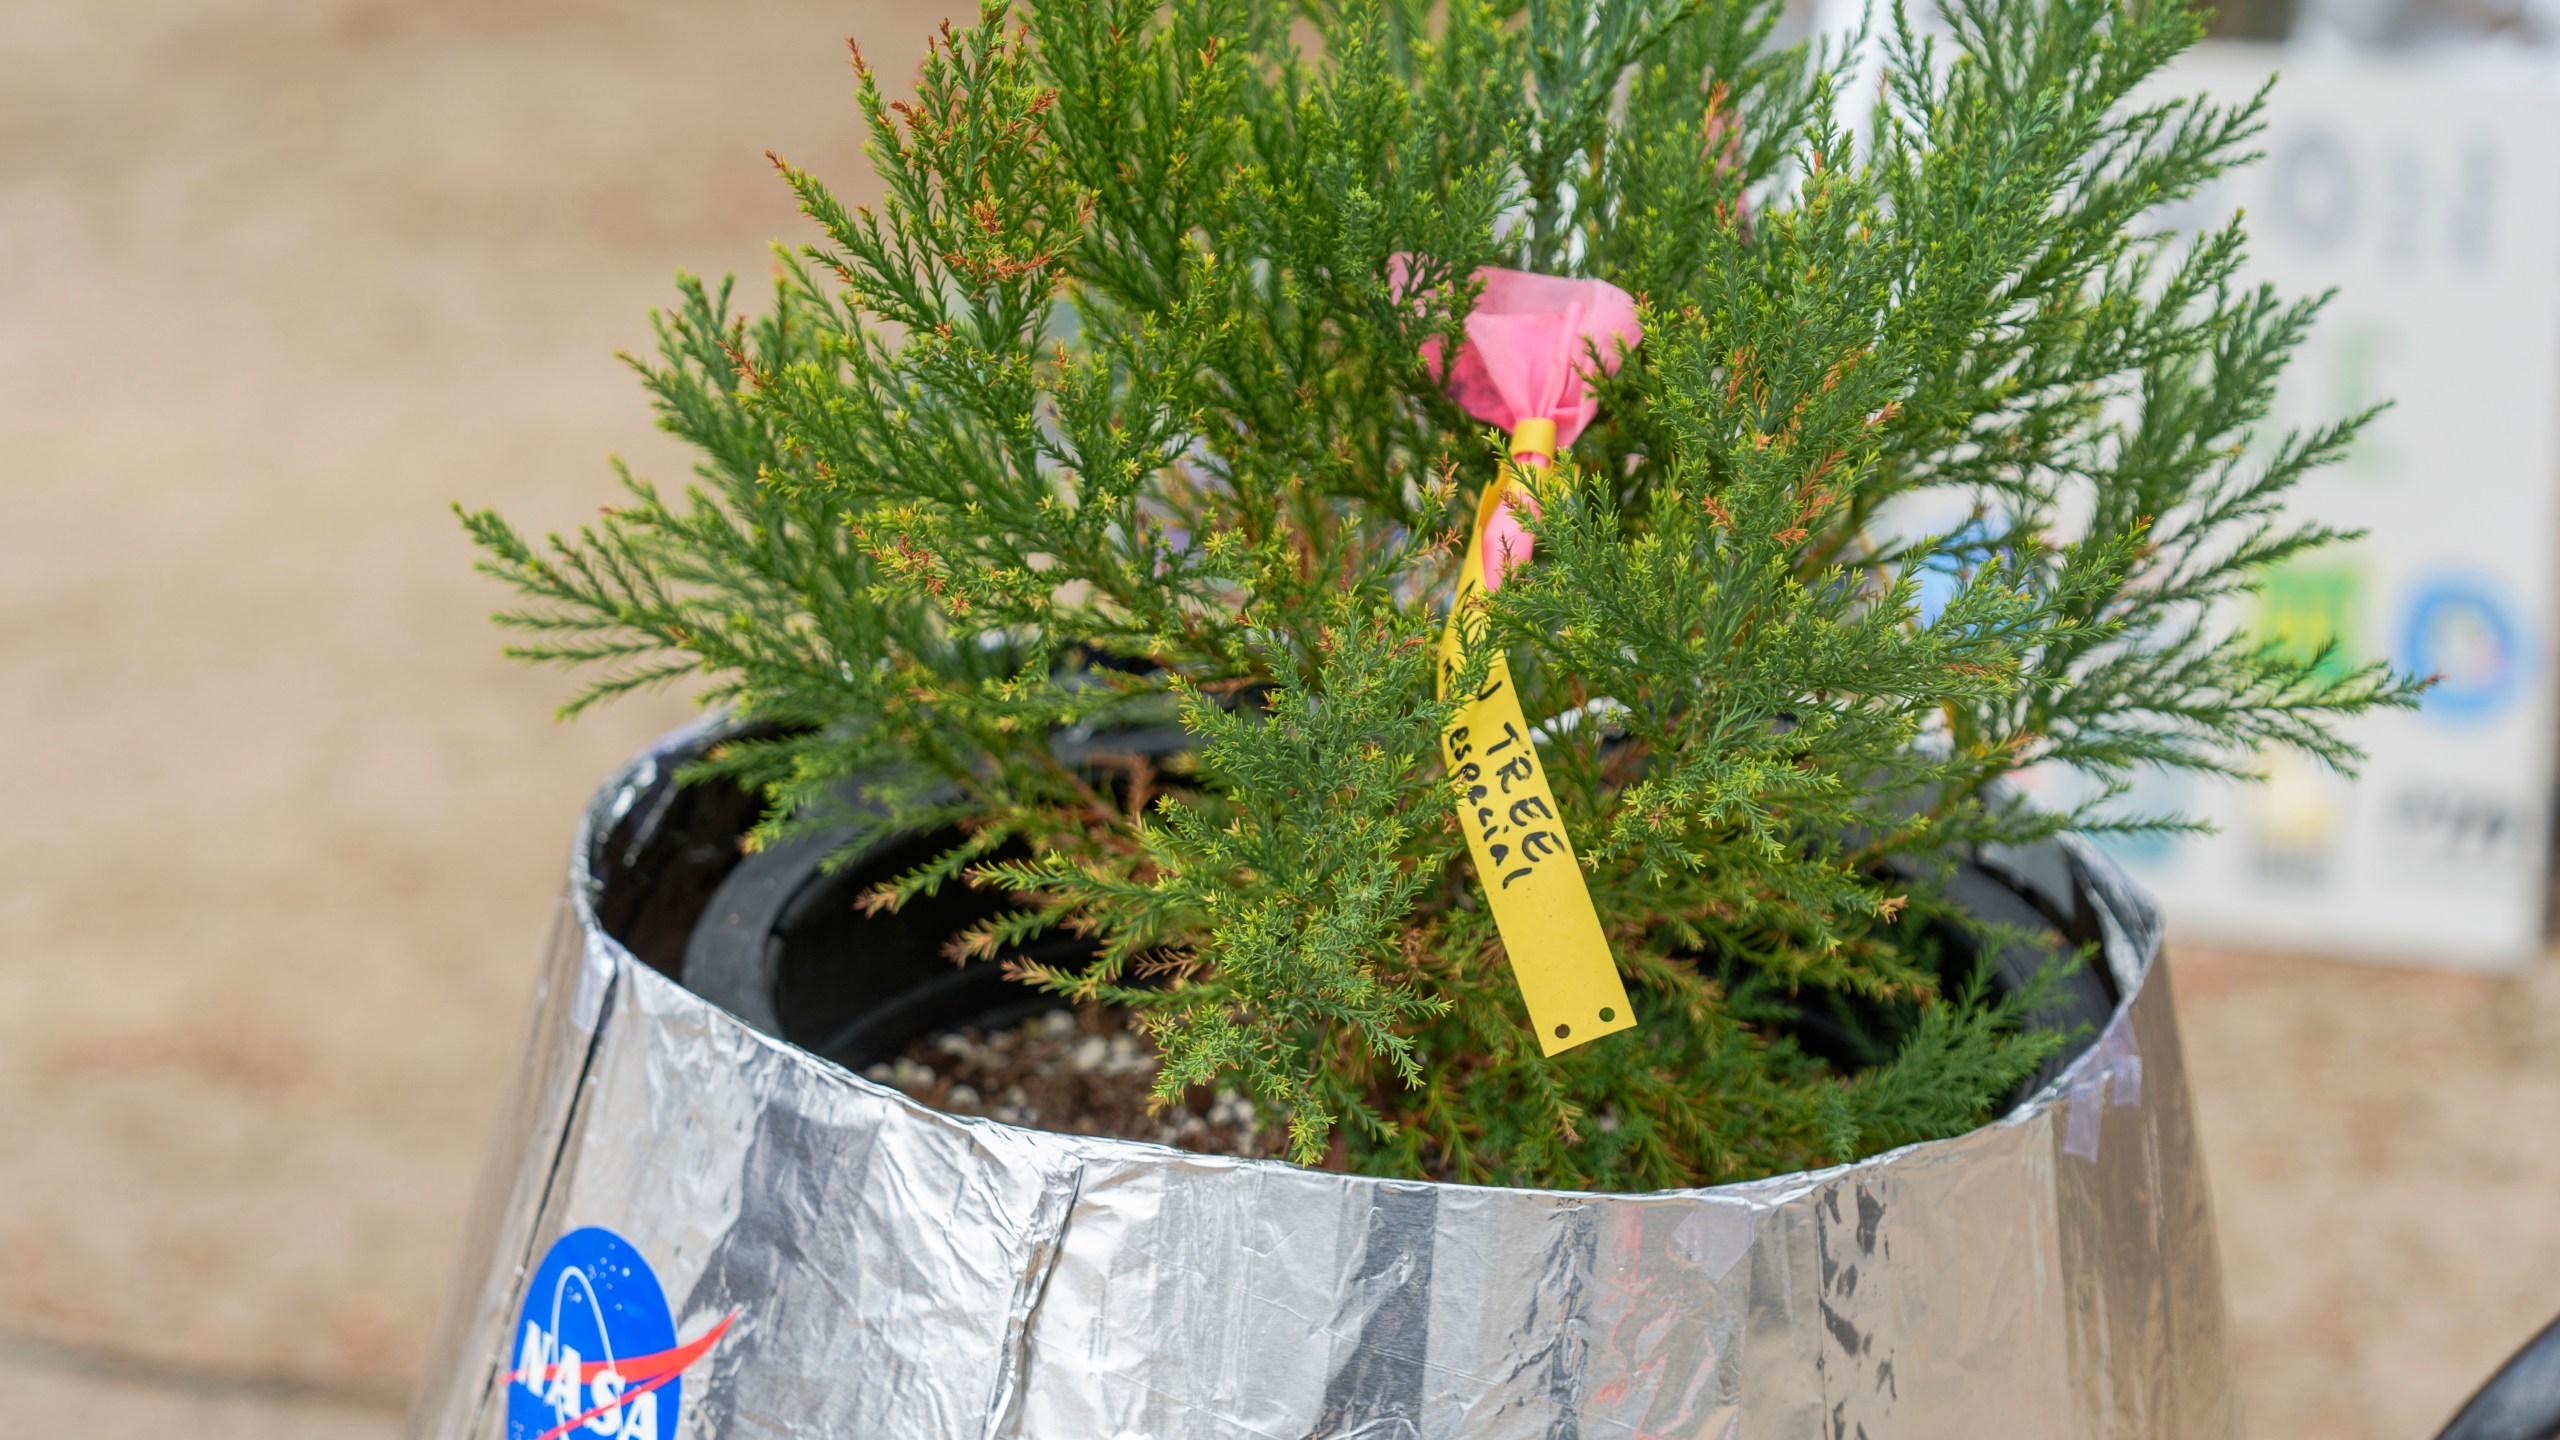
(1524,859)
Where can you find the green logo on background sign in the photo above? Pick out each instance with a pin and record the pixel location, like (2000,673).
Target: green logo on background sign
(2303,606)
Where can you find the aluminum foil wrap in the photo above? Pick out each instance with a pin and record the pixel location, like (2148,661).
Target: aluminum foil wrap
(890,1272)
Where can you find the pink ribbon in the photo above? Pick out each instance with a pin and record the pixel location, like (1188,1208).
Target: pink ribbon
(1529,342)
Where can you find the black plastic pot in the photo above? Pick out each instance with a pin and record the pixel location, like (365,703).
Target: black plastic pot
(776,938)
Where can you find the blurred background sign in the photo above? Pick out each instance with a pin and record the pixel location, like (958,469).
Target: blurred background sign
(2426,188)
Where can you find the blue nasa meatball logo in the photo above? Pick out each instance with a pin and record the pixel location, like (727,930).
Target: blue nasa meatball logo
(595,1347)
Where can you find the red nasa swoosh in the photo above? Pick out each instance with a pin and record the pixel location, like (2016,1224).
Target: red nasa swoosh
(656,1369)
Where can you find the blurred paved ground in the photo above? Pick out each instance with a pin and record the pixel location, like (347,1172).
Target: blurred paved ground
(2386,1175)
(280,832)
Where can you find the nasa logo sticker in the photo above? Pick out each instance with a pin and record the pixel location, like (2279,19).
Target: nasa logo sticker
(595,1346)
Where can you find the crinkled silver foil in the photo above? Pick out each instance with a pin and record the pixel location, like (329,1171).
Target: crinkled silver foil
(901,1274)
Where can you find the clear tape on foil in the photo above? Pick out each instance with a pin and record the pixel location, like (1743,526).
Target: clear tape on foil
(899,1272)
(596,964)
(2109,1075)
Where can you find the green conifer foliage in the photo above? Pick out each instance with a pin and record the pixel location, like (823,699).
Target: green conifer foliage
(1114,415)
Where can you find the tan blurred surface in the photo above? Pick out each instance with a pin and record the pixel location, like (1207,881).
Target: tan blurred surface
(68,1392)
(282,831)
(2386,1174)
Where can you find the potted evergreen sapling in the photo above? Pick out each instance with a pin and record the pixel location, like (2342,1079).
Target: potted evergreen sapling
(1352,558)
(1122,413)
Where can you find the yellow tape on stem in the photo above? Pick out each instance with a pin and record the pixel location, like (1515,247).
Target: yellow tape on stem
(1524,859)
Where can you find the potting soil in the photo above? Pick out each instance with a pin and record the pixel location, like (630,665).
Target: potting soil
(1087,1073)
